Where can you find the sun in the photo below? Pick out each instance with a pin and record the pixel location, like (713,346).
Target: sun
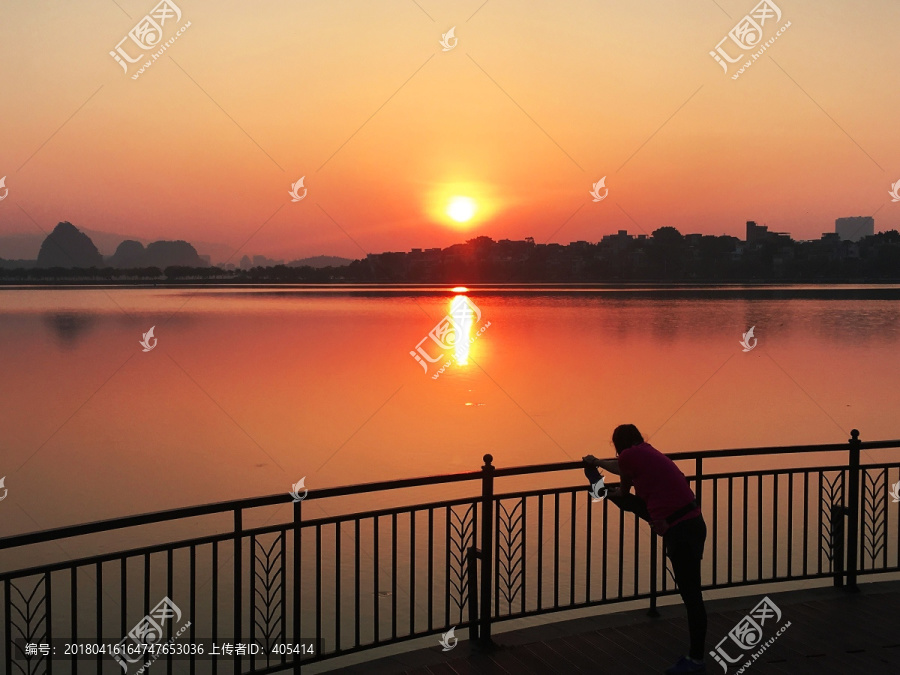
(461,205)
(461,209)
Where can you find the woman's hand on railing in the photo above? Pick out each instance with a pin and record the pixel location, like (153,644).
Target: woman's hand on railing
(611,465)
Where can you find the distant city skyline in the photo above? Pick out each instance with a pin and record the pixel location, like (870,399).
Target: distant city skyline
(855,228)
(852,228)
(666,255)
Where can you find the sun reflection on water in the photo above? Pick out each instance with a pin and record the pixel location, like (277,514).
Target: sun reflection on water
(463,316)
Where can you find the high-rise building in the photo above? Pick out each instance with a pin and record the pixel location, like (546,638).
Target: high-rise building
(854,229)
(756,232)
(760,233)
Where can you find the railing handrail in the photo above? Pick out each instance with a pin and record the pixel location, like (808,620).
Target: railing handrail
(221,507)
(95,527)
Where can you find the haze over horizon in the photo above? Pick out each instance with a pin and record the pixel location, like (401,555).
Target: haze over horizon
(530,108)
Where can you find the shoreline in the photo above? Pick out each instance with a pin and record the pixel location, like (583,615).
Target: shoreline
(876,290)
(470,285)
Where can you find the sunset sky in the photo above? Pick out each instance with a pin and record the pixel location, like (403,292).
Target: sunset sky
(536,102)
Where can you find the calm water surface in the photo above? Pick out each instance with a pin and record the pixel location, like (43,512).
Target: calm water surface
(248,390)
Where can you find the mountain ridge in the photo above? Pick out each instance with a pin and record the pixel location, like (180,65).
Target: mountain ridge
(24,247)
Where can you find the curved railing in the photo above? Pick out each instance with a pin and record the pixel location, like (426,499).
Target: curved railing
(306,589)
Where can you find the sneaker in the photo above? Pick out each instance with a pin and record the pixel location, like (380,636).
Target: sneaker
(686,665)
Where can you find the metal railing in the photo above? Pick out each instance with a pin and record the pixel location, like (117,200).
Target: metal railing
(366,579)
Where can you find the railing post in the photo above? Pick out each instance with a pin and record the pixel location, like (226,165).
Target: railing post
(838,512)
(298,542)
(698,484)
(487,547)
(473,556)
(853,512)
(654,544)
(238,581)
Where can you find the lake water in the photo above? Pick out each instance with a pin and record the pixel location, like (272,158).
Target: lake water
(248,390)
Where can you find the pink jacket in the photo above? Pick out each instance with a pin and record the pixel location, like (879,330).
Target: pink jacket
(657,480)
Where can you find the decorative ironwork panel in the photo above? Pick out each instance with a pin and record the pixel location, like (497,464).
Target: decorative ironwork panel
(267,588)
(28,623)
(510,549)
(831,493)
(462,537)
(874,513)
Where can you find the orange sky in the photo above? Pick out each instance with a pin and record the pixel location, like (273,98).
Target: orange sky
(533,104)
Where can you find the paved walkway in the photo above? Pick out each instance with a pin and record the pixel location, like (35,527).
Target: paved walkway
(832,632)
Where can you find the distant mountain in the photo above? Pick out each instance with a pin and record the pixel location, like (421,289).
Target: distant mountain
(25,245)
(130,253)
(108,241)
(67,246)
(162,254)
(320,261)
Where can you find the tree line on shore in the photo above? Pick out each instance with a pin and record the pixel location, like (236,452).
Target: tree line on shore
(664,256)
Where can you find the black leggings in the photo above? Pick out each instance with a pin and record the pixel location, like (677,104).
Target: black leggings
(684,543)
